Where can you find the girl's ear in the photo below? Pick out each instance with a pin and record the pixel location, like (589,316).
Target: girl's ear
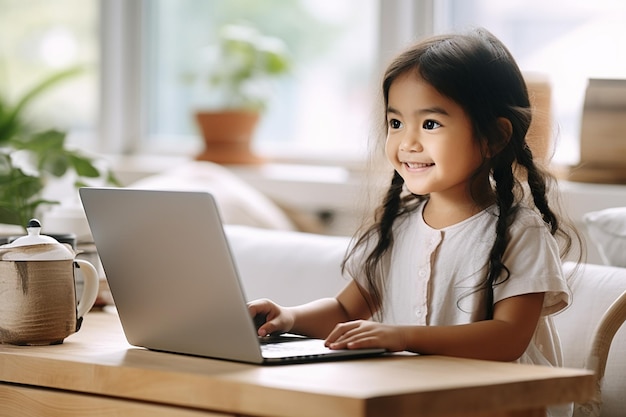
(505,129)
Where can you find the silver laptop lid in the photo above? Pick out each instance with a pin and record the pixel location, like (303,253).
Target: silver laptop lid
(171,274)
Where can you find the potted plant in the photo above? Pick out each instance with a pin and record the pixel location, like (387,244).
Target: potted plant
(235,85)
(30,158)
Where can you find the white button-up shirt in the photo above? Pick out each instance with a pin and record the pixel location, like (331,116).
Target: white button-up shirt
(432,274)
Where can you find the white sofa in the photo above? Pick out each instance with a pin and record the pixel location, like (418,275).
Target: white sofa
(293,267)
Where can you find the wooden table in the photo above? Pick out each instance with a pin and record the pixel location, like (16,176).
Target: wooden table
(97,373)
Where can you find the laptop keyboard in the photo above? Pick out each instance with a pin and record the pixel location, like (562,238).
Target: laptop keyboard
(280,338)
(298,347)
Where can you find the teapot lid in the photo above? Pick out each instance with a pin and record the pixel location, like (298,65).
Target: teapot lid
(35,247)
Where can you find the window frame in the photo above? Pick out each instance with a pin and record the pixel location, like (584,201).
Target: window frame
(122,115)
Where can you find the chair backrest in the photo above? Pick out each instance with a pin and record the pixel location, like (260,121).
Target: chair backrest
(592,335)
(288,267)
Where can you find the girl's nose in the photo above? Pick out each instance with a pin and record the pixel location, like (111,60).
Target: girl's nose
(411,143)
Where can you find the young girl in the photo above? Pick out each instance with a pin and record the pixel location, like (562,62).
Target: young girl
(462,258)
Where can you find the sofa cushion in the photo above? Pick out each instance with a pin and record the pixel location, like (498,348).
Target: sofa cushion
(287,267)
(594,288)
(238,202)
(607,230)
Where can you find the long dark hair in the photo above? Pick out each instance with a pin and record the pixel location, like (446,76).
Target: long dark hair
(479,73)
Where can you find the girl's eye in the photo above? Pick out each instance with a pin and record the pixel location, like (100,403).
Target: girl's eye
(395,124)
(430,125)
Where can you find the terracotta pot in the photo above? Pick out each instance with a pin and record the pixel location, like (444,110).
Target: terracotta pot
(228,136)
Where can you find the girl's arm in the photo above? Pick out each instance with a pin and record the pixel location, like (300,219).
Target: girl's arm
(315,319)
(319,318)
(503,338)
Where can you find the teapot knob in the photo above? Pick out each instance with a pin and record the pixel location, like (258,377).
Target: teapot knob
(33,223)
(33,227)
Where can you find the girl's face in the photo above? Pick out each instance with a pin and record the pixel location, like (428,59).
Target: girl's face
(430,140)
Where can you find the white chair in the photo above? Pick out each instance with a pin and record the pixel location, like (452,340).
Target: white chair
(591,336)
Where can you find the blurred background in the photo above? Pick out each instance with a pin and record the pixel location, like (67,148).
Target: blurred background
(136,99)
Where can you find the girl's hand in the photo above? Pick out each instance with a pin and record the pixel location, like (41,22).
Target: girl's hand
(361,334)
(276,319)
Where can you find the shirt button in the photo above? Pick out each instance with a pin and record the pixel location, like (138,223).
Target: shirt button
(422,273)
(418,312)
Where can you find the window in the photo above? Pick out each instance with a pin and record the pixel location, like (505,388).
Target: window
(61,34)
(569,41)
(323,106)
(133,97)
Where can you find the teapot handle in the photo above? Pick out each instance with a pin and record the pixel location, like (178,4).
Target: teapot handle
(90,288)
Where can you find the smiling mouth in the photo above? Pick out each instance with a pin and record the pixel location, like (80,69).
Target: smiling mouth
(418,165)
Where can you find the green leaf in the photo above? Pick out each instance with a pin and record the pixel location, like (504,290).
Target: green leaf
(55,163)
(112,179)
(41,142)
(19,187)
(83,166)
(40,88)
(8,215)
(20,192)
(5,164)
(275,62)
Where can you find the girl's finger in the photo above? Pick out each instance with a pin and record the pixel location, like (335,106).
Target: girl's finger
(340,332)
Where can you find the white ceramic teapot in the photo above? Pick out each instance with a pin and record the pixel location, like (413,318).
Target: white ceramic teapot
(38,291)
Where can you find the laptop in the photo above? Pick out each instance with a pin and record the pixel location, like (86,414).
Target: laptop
(175,283)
